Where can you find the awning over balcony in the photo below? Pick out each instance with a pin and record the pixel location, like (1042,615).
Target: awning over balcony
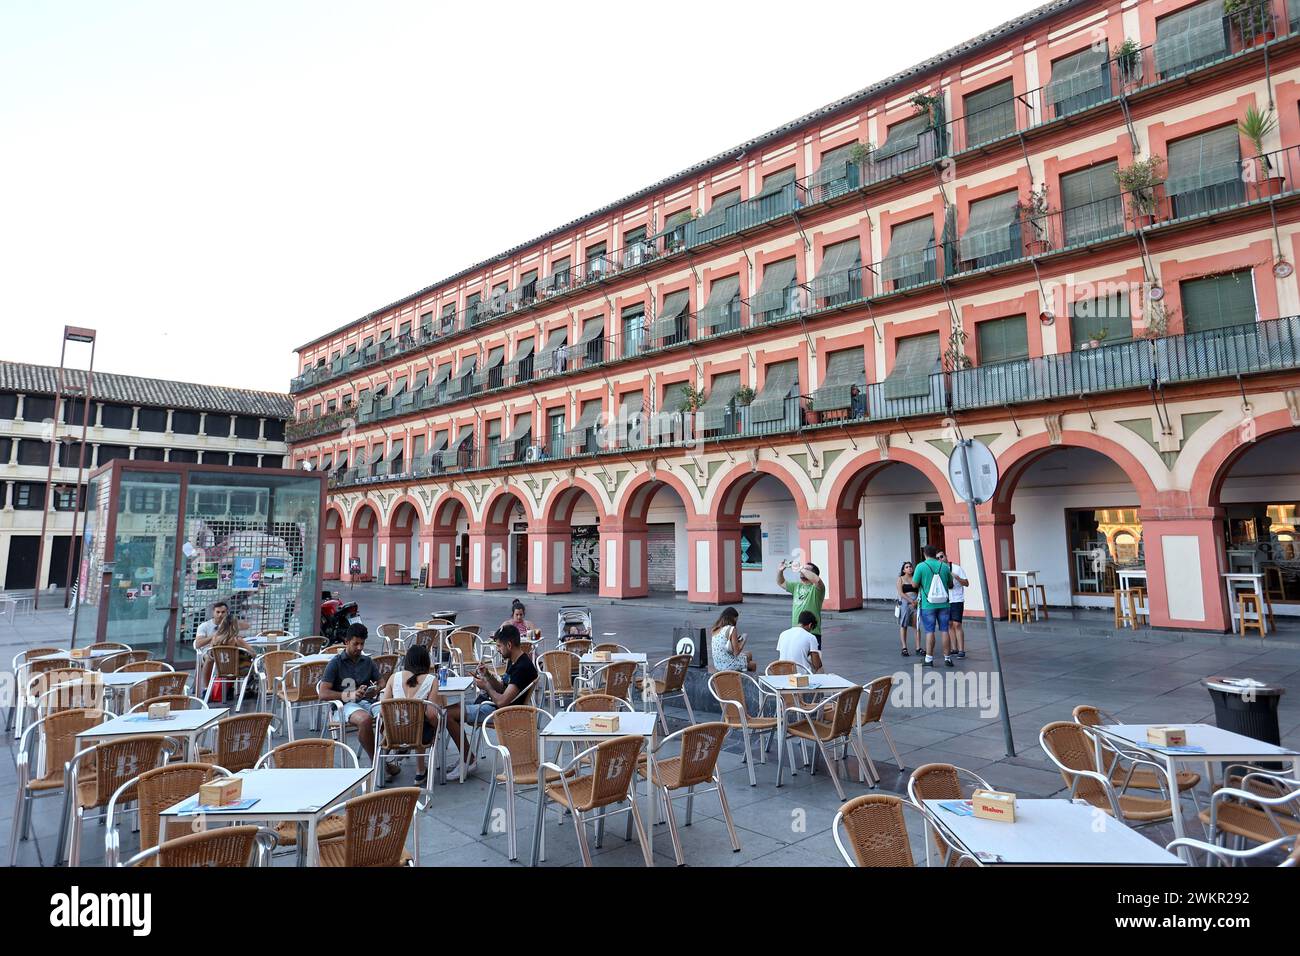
(592,330)
(439,441)
(665,324)
(546,357)
(717,214)
(988,232)
(838,263)
(777,277)
(713,412)
(916,361)
(1077,74)
(674,398)
(774,183)
(844,369)
(496,357)
(451,457)
(902,137)
(577,436)
(1192,35)
(718,309)
(1206,159)
(834,167)
(673,223)
(326,462)
(467,368)
(769,405)
(522,352)
(523,426)
(909,246)
(395,453)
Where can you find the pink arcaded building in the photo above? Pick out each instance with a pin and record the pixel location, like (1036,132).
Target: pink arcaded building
(1072,237)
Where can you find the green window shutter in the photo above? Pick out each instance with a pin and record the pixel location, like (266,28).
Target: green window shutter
(774,183)
(1076,74)
(1191,36)
(844,369)
(915,361)
(1218,302)
(665,323)
(1206,159)
(780,380)
(988,229)
(717,214)
(723,389)
(777,277)
(834,166)
(902,137)
(674,398)
(1002,340)
(838,263)
(1090,317)
(990,113)
(909,243)
(1090,203)
(718,309)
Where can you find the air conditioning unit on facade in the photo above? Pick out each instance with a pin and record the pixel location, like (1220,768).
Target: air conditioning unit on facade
(533,453)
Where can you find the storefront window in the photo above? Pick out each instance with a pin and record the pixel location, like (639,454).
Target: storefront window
(1264,539)
(1103,542)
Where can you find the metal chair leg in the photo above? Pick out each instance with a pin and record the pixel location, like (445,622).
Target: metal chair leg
(726,812)
(672,829)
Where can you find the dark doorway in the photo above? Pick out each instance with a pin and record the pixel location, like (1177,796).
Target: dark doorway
(926,529)
(521,560)
(59,559)
(21,573)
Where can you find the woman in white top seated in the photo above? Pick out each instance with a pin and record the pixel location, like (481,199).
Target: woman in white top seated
(415,681)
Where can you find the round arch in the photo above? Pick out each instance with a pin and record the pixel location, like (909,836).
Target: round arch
(857,473)
(1016,460)
(633,504)
(405,524)
(557,508)
(445,513)
(726,501)
(1217,462)
(499,505)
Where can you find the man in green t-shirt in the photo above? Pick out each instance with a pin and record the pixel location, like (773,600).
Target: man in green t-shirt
(809,591)
(933,580)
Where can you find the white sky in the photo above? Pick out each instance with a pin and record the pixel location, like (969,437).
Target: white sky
(211,185)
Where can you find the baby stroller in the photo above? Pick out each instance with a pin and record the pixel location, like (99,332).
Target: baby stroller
(573,621)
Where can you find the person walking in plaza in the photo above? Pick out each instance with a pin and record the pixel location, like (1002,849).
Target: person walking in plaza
(728,644)
(933,579)
(352,678)
(809,591)
(414,681)
(956,607)
(799,645)
(906,608)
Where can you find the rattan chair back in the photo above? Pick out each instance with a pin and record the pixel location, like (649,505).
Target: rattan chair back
(309,645)
(1088,715)
(386,664)
(616,678)
(1073,748)
(598,704)
(142,665)
(228,660)
(877,831)
(612,767)
(425,637)
(577,645)
(312,753)
(877,692)
(300,681)
(464,643)
(84,691)
(401,722)
(701,744)
(561,665)
(158,685)
(224,846)
(174,701)
(273,663)
(611,647)
(240,739)
(165,786)
(675,670)
(119,761)
(376,824)
(60,732)
(730,686)
(515,728)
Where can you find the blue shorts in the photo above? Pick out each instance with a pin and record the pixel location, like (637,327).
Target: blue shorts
(369,706)
(475,714)
(934,619)
(955,611)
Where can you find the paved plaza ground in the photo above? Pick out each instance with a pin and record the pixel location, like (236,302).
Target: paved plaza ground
(1151,678)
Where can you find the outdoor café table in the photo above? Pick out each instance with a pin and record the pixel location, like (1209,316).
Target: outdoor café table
(571,726)
(457,687)
(269,642)
(283,795)
(120,684)
(1253,582)
(1049,833)
(406,630)
(186,725)
(1029,581)
(1206,744)
(780,685)
(588,664)
(94,655)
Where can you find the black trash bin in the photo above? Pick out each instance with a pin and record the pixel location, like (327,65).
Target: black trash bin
(448,616)
(1248,707)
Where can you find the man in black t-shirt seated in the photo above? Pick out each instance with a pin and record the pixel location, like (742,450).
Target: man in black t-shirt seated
(493,692)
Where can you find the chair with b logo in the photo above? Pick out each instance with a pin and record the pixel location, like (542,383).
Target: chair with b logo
(828,724)
(96,775)
(673,684)
(226,846)
(513,738)
(375,830)
(154,791)
(558,668)
(613,680)
(241,739)
(157,686)
(399,734)
(694,766)
(232,665)
(875,697)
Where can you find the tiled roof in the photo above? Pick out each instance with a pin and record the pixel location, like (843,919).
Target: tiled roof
(730,155)
(158,392)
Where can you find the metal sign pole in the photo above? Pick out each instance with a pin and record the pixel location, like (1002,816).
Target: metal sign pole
(984,593)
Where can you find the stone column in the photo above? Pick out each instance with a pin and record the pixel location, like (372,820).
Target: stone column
(550,558)
(831,543)
(713,559)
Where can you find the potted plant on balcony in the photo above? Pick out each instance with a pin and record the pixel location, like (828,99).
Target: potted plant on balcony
(744,396)
(1126,61)
(1254,127)
(692,398)
(1252,20)
(1034,210)
(929,104)
(860,154)
(1139,180)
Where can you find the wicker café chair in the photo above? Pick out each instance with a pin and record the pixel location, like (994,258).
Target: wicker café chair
(386,664)
(611,647)
(116,662)
(94,662)
(1233,857)
(728,689)
(174,701)
(390,637)
(1072,748)
(871,719)
(940,781)
(876,829)
(70,690)
(269,668)
(158,685)
(241,740)
(98,772)
(613,680)
(558,669)
(333,649)
(232,664)
(146,666)
(1263,807)
(673,684)
(315,753)
(426,637)
(53,738)
(307,646)
(1136,778)
(30,679)
(513,737)
(694,766)
(829,724)
(154,791)
(577,645)
(225,846)
(463,645)
(297,691)
(399,734)
(613,772)
(375,830)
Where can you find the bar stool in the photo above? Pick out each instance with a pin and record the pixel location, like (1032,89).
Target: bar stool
(1018,604)
(1041,605)
(1273,587)
(1248,604)
(1125,608)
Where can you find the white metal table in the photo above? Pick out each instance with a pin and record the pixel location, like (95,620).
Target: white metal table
(587,663)
(283,795)
(1049,833)
(782,686)
(1206,744)
(120,683)
(571,726)
(406,630)
(458,687)
(1233,583)
(1030,583)
(186,725)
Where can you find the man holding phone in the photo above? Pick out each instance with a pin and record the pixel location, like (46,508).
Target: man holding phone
(494,692)
(353,678)
(808,589)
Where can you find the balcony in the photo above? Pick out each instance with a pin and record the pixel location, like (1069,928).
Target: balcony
(320,425)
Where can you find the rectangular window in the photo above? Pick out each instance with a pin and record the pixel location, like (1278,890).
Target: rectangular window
(911,259)
(633,329)
(597,262)
(116,416)
(1104,319)
(1263,537)
(1218,302)
(33,451)
(1079,81)
(149,454)
(404,330)
(1205,172)
(1091,205)
(29,496)
(1002,340)
(1191,37)
(1103,542)
(992,233)
(185,423)
(990,114)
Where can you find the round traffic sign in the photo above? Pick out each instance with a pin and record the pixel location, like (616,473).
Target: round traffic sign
(973,471)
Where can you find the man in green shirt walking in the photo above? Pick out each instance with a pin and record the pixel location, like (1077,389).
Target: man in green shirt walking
(933,580)
(809,591)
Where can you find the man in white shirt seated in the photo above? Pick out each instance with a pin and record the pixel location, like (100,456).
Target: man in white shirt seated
(799,643)
(208,629)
